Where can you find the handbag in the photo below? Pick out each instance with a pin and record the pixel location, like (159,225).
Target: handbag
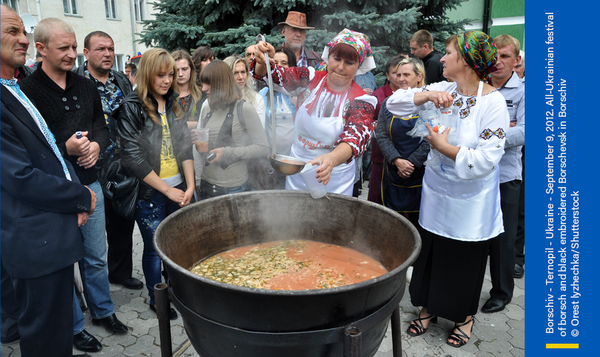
(120,188)
(260,171)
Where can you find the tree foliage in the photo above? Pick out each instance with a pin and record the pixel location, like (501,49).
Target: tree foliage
(229,26)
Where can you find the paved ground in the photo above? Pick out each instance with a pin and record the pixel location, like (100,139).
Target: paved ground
(500,334)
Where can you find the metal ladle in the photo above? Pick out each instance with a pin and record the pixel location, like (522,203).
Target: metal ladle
(285,165)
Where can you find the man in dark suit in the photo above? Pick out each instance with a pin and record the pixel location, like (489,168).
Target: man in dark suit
(43,204)
(71,104)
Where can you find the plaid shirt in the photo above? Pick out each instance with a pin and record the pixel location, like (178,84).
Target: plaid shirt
(111,97)
(302,61)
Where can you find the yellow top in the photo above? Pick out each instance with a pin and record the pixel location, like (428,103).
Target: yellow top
(168,163)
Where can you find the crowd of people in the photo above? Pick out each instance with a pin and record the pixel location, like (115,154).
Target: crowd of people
(64,242)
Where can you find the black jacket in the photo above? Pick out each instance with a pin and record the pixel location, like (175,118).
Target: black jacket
(141,139)
(77,107)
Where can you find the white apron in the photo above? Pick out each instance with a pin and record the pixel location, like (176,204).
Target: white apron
(316,136)
(467,210)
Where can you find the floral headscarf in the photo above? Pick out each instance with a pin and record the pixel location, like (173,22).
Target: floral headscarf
(360,43)
(479,51)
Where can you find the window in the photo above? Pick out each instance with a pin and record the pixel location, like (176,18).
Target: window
(80,60)
(14,4)
(118,65)
(111,9)
(71,7)
(140,10)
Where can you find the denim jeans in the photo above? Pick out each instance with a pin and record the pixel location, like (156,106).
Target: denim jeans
(208,190)
(94,269)
(148,215)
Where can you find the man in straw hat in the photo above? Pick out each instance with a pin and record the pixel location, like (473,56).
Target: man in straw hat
(294,32)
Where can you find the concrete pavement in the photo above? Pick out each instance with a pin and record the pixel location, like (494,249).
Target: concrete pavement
(500,334)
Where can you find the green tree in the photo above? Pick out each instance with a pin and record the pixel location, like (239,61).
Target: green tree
(229,26)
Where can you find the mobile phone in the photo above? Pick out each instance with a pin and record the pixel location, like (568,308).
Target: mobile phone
(211,156)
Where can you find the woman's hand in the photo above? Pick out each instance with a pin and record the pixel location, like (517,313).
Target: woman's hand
(176,195)
(405,167)
(440,143)
(338,156)
(261,48)
(441,99)
(323,173)
(218,152)
(187,198)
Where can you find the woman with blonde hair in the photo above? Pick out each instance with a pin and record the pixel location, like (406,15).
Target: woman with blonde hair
(241,73)
(404,156)
(157,150)
(190,95)
(235,134)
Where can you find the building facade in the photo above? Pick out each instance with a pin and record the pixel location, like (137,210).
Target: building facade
(121,19)
(505,17)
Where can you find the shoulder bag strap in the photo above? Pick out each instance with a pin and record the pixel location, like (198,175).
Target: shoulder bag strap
(242,120)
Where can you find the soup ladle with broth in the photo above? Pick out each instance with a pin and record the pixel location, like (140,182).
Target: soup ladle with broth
(283,164)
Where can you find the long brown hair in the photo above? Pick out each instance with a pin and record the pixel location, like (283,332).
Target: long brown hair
(155,61)
(194,89)
(223,88)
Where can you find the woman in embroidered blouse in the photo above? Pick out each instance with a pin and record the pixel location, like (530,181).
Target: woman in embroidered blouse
(460,203)
(335,122)
(190,94)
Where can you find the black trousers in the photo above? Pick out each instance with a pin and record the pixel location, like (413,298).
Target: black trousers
(119,234)
(520,240)
(46,322)
(502,249)
(10,308)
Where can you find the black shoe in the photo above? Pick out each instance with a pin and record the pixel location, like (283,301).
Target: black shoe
(82,355)
(172,312)
(130,283)
(519,271)
(494,305)
(111,323)
(83,341)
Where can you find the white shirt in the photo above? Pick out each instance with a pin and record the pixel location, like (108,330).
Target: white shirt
(511,167)
(461,198)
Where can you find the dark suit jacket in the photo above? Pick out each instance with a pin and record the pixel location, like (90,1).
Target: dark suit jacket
(39,205)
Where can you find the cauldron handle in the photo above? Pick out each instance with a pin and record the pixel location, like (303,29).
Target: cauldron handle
(161,294)
(352,341)
(396,333)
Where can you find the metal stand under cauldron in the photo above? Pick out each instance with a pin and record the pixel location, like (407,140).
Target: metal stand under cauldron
(350,335)
(223,320)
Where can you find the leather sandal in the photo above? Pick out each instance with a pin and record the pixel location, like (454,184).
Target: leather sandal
(460,338)
(417,325)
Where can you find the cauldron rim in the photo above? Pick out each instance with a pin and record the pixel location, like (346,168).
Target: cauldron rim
(312,292)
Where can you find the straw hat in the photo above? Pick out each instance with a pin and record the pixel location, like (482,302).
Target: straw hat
(296,19)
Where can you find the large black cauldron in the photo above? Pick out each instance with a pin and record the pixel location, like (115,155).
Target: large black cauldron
(223,320)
